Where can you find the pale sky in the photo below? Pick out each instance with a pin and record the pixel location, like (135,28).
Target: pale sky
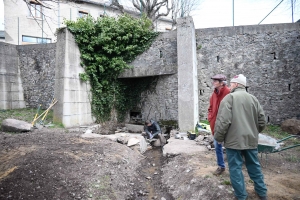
(218,13)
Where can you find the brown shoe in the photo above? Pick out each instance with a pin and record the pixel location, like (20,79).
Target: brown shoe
(263,198)
(219,171)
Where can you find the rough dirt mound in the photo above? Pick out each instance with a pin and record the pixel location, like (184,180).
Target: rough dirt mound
(54,164)
(59,164)
(189,176)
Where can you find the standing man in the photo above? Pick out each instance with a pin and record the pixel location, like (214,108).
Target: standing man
(220,91)
(239,121)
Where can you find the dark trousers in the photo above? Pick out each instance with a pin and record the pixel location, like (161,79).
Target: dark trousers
(235,162)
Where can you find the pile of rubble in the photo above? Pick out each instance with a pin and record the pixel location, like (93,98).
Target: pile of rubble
(204,137)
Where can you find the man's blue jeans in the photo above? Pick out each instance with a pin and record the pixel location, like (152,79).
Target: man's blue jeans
(235,162)
(219,154)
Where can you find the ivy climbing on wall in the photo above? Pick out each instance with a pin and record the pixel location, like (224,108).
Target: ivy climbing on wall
(107,45)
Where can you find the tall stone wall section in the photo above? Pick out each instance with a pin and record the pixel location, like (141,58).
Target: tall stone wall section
(161,103)
(73,107)
(268,55)
(11,91)
(37,66)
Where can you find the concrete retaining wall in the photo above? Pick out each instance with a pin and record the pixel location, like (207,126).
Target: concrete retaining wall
(73,95)
(11,91)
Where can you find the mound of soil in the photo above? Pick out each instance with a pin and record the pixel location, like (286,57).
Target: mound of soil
(54,164)
(60,164)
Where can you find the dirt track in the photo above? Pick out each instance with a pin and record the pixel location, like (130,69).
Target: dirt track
(59,164)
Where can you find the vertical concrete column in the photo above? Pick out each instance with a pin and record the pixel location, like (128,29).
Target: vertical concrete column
(187,75)
(73,107)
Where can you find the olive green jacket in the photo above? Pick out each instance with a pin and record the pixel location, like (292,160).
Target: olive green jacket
(240,118)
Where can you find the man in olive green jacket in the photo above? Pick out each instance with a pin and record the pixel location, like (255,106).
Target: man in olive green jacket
(240,119)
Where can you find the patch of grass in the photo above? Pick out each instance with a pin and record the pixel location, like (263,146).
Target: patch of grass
(24,114)
(292,158)
(56,125)
(275,132)
(296,141)
(204,122)
(27,115)
(207,176)
(226,182)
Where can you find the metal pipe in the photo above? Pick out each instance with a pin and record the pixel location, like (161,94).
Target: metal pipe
(292,11)
(18,32)
(58,14)
(233,12)
(42,28)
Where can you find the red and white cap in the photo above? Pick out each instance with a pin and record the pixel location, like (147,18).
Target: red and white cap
(241,79)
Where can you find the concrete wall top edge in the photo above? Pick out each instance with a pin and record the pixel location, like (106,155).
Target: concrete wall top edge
(249,29)
(37,46)
(171,34)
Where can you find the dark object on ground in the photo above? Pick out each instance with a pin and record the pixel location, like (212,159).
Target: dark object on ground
(291,126)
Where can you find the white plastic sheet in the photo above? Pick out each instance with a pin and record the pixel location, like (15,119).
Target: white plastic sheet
(268,141)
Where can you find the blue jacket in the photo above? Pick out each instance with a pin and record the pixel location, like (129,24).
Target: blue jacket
(154,128)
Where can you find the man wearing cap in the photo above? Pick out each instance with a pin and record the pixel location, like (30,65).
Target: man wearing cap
(240,119)
(220,91)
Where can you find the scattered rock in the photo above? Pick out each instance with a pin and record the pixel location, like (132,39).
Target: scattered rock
(199,138)
(14,125)
(133,128)
(132,141)
(88,131)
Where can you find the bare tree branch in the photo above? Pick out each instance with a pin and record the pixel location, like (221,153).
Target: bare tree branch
(118,5)
(183,8)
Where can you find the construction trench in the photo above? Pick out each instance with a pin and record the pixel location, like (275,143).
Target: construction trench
(149,185)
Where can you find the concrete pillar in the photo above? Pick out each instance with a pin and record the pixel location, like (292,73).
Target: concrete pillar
(11,89)
(73,107)
(187,75)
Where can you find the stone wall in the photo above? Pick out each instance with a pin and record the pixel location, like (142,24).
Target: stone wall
(11,91)
(37,66)
(159,59)
(162,103)
(268,55)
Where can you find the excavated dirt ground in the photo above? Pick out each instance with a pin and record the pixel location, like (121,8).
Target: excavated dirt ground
(59,164)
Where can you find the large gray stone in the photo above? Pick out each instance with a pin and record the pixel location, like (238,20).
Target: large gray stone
(133,128)
(177,147)
(291,126)
(14,125)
